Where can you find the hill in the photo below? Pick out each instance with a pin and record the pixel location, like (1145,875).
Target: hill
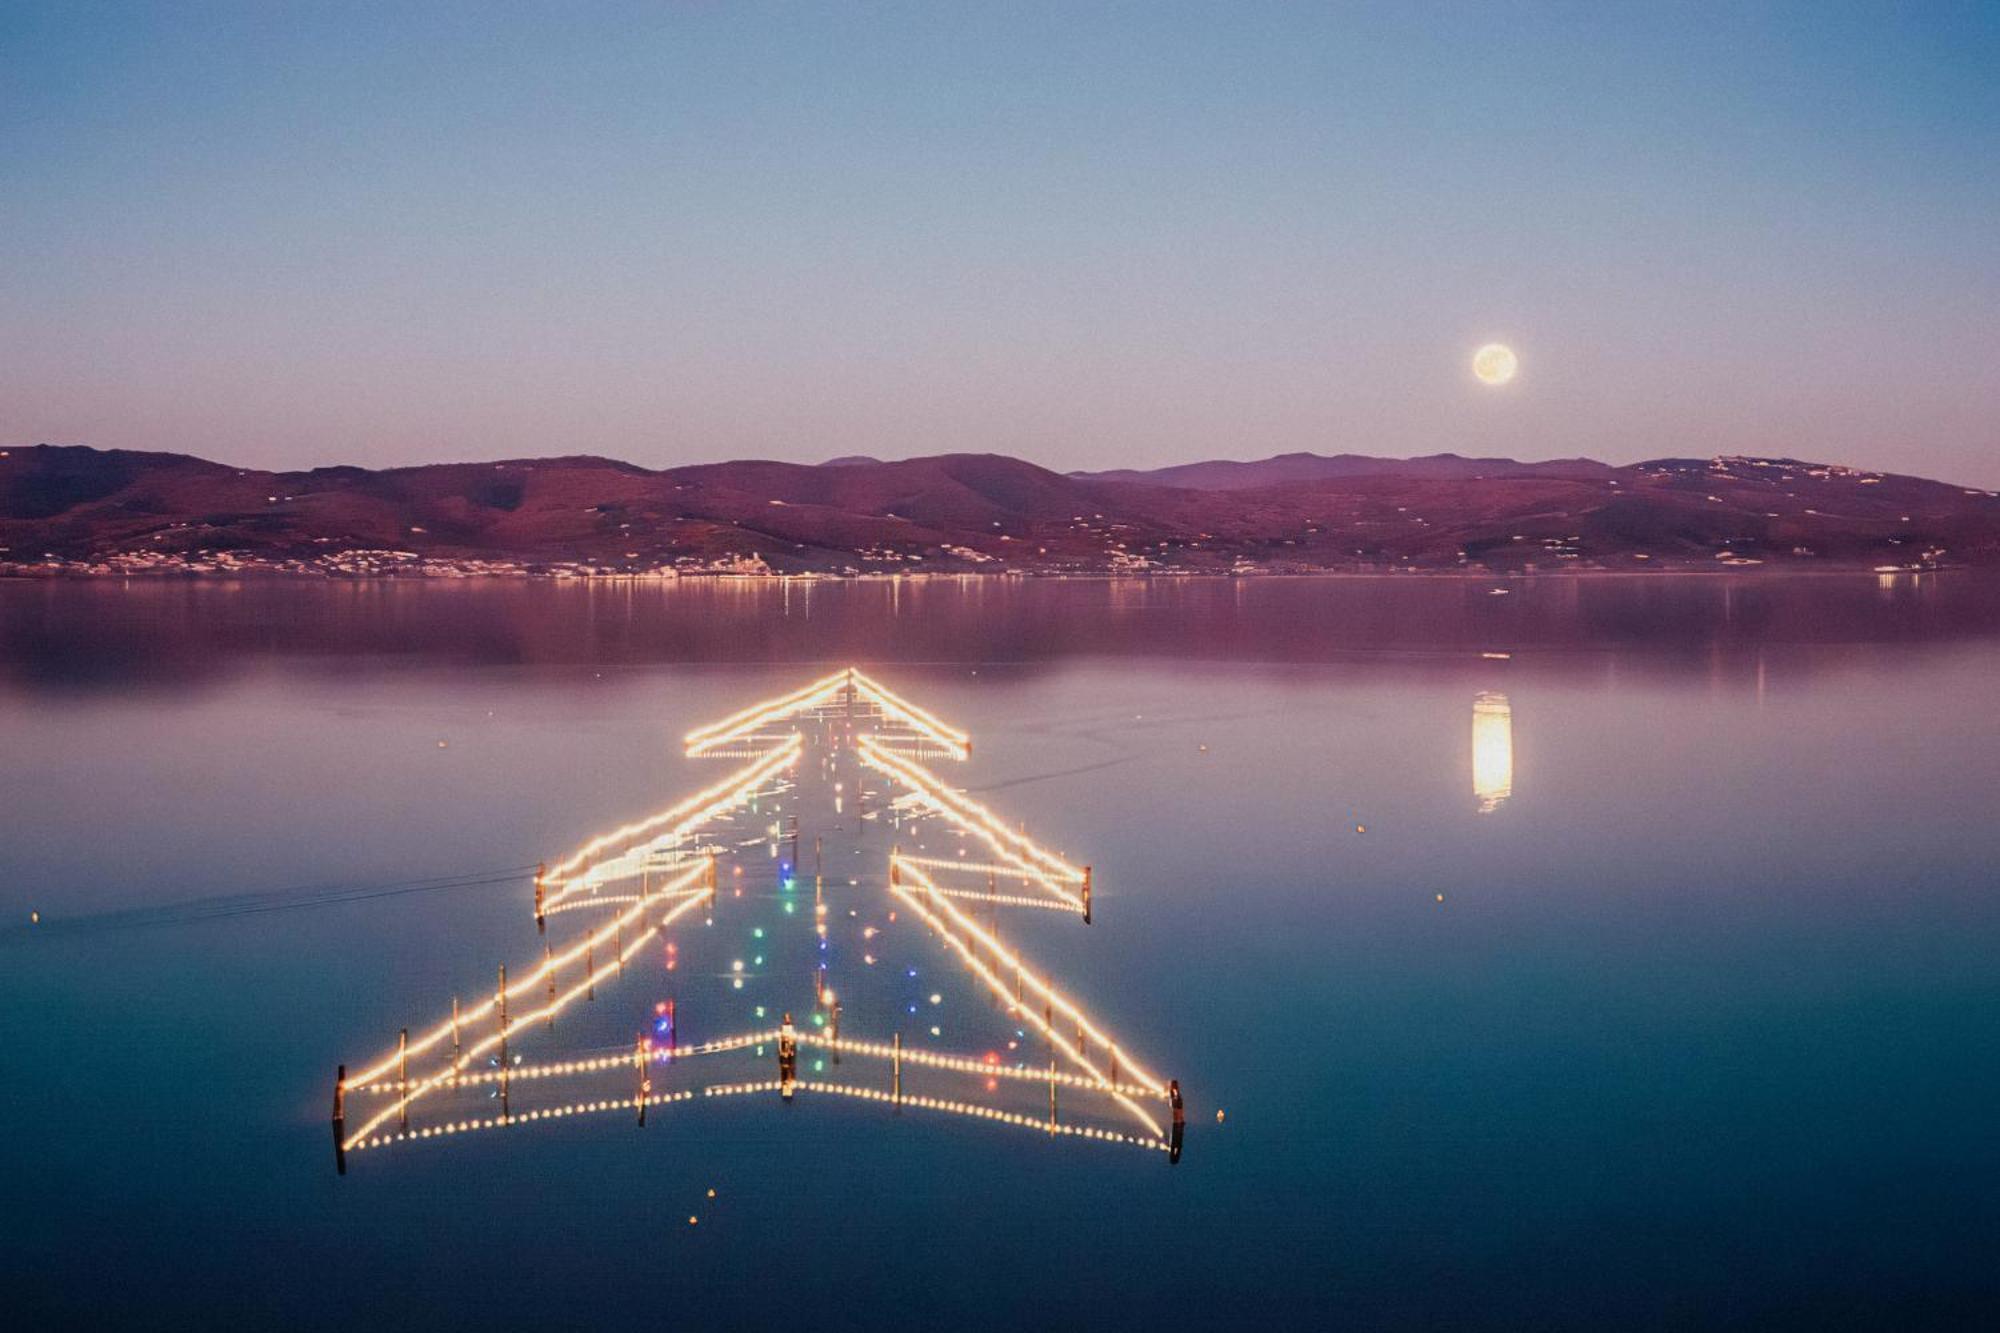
(1223,474)
(80,510)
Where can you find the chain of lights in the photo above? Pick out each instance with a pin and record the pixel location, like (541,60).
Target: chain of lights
(444,1077)
(979,1112)
(747,723)
(735,727)
(914,1056)
(647,846)
(390,1063)
(1005,899)
(972,1110)
(612,899)
(969,867)
(584,870)
(661,1055)
(1028,858)
(916,719)
(962,930)
(965,1064)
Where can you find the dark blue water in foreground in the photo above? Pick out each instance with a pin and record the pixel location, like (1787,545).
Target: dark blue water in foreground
(1660,990)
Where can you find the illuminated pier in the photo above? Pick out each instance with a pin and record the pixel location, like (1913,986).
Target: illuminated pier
(711,863)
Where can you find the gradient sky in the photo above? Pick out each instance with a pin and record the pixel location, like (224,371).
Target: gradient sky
(1089,235)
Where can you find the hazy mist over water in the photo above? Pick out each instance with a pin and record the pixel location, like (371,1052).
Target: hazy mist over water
(1658,989)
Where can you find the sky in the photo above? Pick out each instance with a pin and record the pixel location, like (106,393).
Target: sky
(1094,236)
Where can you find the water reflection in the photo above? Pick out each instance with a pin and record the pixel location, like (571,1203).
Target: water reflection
(1492,750)
(105,636)
(648,880)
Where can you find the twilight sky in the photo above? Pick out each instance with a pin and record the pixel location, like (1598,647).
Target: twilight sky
(1088,235)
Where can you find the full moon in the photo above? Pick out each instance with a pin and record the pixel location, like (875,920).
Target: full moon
(1495,363)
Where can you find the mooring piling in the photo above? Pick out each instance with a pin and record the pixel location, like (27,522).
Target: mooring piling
(503,1044)
(340,1121)
(645,1079)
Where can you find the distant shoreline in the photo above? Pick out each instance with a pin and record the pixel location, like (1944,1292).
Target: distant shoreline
(84,512)
(1076,576)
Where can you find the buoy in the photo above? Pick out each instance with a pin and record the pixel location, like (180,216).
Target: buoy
(1218,1115)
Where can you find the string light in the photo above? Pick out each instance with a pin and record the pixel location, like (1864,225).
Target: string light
(529,981)
(682,819)
(971,1110)
(969,929)
(656,843)
(1042,866)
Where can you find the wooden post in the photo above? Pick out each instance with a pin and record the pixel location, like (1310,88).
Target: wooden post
(457,1051)
(618,943)
(503,1044)
(541,892)
(549,967)
(1086,895)
(673,1030)
(896,1078)
(833,1031)
(1052,1094)
(788,1058)
(645,1081)
(403,1080)
(340,1121)
(589,970)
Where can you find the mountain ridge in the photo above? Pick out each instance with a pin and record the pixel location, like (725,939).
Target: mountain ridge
(1220,474)
(74,509)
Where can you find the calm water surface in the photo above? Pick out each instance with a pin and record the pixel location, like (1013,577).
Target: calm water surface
(1660,989)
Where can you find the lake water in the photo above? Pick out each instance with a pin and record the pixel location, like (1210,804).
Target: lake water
(1599,953)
